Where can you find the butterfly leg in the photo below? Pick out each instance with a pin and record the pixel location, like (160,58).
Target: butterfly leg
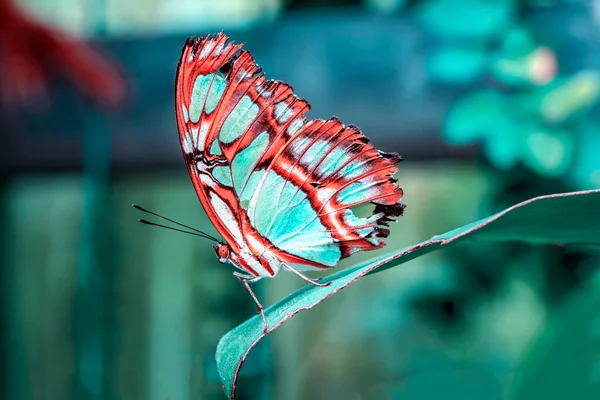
(304,277)
(244,281)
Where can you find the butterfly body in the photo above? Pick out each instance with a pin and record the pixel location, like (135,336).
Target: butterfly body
(280,189)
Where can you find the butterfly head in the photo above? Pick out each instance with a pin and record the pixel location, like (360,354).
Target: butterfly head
(222,251)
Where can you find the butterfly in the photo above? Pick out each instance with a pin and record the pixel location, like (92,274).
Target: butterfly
(280,189)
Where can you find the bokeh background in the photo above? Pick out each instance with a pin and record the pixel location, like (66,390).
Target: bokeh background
(490,102)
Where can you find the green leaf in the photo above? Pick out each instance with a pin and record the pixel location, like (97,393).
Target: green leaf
(569,218)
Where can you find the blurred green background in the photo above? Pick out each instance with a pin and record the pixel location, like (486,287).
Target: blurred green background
(490,102)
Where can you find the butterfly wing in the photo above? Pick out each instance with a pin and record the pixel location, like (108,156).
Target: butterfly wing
(271,181)
(304,206)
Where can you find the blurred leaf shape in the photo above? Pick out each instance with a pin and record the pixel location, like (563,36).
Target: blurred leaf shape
(537,67)
(470,19)
(456,64)
(585,172)
(472,117)
(487,116)
(566,354)
(521,61)
(570,97)
(530,127)
(517,42)
(568,218)
(549,152)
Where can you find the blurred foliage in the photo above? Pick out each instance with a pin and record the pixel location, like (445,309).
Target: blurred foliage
(470,322)
(538,135)
(566,356)
(517,105)
(536,127)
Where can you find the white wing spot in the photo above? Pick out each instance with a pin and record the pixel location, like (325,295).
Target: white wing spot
(184,111)
(188,145)
(324,194)
(282,112)
(227,216)
(194,135)
(243,74)
(204,127)
(207,49)
(298,145)
(295,126)
(263,92)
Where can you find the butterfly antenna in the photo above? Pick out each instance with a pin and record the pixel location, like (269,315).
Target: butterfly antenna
(143,221)
(196,232)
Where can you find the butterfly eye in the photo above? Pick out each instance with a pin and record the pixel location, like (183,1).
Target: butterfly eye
(222,251)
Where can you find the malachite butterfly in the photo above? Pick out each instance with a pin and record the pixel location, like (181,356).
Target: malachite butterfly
(279,188)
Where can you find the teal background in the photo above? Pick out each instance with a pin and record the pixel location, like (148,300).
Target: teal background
(489,102)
